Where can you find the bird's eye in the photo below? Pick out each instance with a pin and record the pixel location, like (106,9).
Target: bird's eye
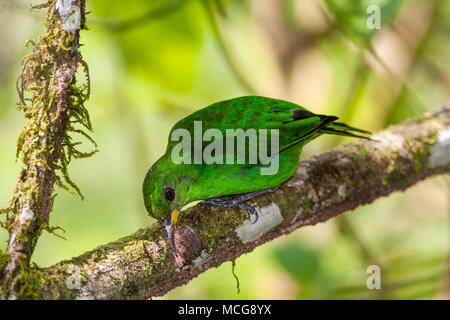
(169,193)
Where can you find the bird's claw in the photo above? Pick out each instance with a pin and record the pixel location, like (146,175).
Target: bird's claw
(252,212)
(238,201)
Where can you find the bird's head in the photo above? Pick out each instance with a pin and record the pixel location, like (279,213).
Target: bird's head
(166,192)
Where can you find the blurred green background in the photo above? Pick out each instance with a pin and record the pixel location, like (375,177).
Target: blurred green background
(154,62)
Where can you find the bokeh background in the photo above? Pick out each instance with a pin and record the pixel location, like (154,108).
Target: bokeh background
(154,62)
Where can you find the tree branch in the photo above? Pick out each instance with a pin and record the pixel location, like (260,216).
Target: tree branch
(141,266)
(53,103)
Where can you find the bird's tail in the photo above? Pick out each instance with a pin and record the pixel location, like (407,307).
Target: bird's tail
(342,129)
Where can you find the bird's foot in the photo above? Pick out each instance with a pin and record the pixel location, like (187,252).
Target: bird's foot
(238,201)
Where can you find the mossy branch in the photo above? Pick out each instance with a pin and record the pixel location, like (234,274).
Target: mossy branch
(53,102)
(141,265)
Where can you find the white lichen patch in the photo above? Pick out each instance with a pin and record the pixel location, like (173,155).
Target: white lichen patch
(298,214)
(63,6)
(154,249)
(342,191)
(268,217)
(201,259)
(87,292)
(85,297)
(299,179)
(26,214)
(344,160)
(389,139)
(70,15)
(440,151)
(12,241)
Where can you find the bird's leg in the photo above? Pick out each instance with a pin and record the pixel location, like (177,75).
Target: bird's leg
(238,201)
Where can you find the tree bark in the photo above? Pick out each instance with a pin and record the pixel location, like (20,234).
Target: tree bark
(52,103)
(141,265)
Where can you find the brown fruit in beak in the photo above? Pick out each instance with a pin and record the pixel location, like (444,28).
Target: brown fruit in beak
(188,244)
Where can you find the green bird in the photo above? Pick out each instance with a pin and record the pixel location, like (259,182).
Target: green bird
(170,184)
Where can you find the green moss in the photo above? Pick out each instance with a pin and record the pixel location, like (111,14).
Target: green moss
(38,86)
(54,106)
(422,151)
(305,204)
(222,222)
(233,266)
(388,173)
(29,282)
(417,165)
(52,230)
(4,258)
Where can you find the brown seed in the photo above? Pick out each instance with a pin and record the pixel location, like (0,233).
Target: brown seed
(188,243)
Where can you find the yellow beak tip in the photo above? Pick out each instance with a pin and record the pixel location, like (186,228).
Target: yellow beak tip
(174,217)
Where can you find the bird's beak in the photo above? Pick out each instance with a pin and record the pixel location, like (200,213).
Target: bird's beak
(174,217)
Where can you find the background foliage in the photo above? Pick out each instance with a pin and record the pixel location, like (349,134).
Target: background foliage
(154,62)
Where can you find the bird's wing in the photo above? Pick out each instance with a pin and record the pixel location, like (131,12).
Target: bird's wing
(296,125)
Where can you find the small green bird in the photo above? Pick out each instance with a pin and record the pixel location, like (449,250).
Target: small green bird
(216,161)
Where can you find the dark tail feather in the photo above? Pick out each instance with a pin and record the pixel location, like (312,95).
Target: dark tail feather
(325,121)
(343,133)
(342,129)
